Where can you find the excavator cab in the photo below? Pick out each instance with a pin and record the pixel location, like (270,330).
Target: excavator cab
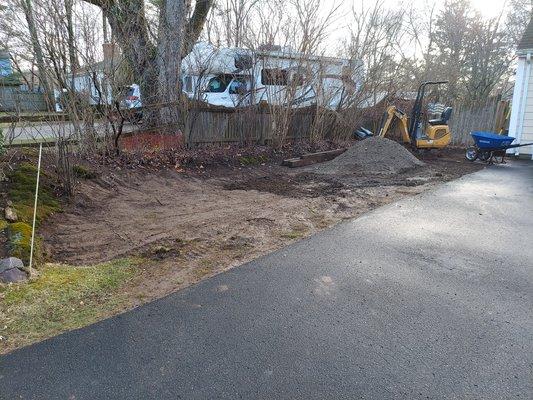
(436,133)
(444,117)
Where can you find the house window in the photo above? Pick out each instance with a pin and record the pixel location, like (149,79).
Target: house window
(274,76)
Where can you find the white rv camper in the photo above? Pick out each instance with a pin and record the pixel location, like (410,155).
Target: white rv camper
(234,77)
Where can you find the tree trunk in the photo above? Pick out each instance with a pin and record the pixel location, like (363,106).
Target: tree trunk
(169,49)
(27,7)
(73,58)
(128,23)
(156,68)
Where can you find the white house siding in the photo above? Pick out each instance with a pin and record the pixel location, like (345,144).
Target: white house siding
(85,84)
(527,124)
(521,124)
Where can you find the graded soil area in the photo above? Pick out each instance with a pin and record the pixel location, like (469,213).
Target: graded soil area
(190,224)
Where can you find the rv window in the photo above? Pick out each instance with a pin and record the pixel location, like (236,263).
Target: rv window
(238,86)
(278,77)
(218,84)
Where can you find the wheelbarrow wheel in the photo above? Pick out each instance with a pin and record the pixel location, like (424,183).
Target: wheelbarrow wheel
(471,153)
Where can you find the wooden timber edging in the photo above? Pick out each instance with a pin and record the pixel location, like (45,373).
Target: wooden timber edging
(312,158)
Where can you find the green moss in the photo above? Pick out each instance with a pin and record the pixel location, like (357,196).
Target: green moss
(61,298)
(83,172)
(22,192)
(3,224)
(251,160)
(19,242)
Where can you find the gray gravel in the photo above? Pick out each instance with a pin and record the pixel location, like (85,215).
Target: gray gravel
(378,155)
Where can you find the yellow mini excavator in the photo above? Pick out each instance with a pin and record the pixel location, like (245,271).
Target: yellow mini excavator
(433,134)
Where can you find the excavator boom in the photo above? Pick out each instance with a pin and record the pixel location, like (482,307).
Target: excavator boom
(392,113)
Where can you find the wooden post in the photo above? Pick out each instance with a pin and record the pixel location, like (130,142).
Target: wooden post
(35,207)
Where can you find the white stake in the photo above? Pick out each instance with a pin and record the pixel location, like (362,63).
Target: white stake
(35,205)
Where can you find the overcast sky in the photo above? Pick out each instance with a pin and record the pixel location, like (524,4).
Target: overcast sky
(489,8)
(338,32)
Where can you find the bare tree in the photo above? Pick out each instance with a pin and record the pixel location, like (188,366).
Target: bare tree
(489,57)
(156,65)
(27,7)
(372,47)
(518,16)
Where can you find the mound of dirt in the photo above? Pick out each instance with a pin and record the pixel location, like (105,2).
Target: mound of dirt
(372,155)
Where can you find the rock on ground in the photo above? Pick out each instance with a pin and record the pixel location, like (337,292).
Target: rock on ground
(11,270)
(10,214)
(372,155)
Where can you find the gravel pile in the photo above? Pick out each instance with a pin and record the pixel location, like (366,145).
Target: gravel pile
(372,155)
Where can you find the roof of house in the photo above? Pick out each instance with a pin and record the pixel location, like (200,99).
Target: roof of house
(526,43)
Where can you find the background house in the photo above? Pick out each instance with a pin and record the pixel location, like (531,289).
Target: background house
(521,124)
(15,96)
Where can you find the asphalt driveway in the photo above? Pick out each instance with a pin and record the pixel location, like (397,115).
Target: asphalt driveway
(430,297)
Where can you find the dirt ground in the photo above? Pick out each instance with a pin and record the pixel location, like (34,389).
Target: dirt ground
(188,225)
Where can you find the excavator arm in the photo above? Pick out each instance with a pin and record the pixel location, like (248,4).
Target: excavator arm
(391,113)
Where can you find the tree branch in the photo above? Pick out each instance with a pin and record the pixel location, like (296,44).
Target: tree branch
(195,24)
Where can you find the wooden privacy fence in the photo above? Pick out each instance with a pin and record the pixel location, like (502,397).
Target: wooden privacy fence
(206,125)
(211,125)
(259,125)
(482,118)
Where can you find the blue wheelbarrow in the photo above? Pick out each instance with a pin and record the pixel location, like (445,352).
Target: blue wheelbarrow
(488,145)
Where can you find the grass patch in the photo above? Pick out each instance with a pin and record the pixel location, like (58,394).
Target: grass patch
(298,230)
(251,160)
(22,192)
(62,298)
(292,235)
(205,268)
